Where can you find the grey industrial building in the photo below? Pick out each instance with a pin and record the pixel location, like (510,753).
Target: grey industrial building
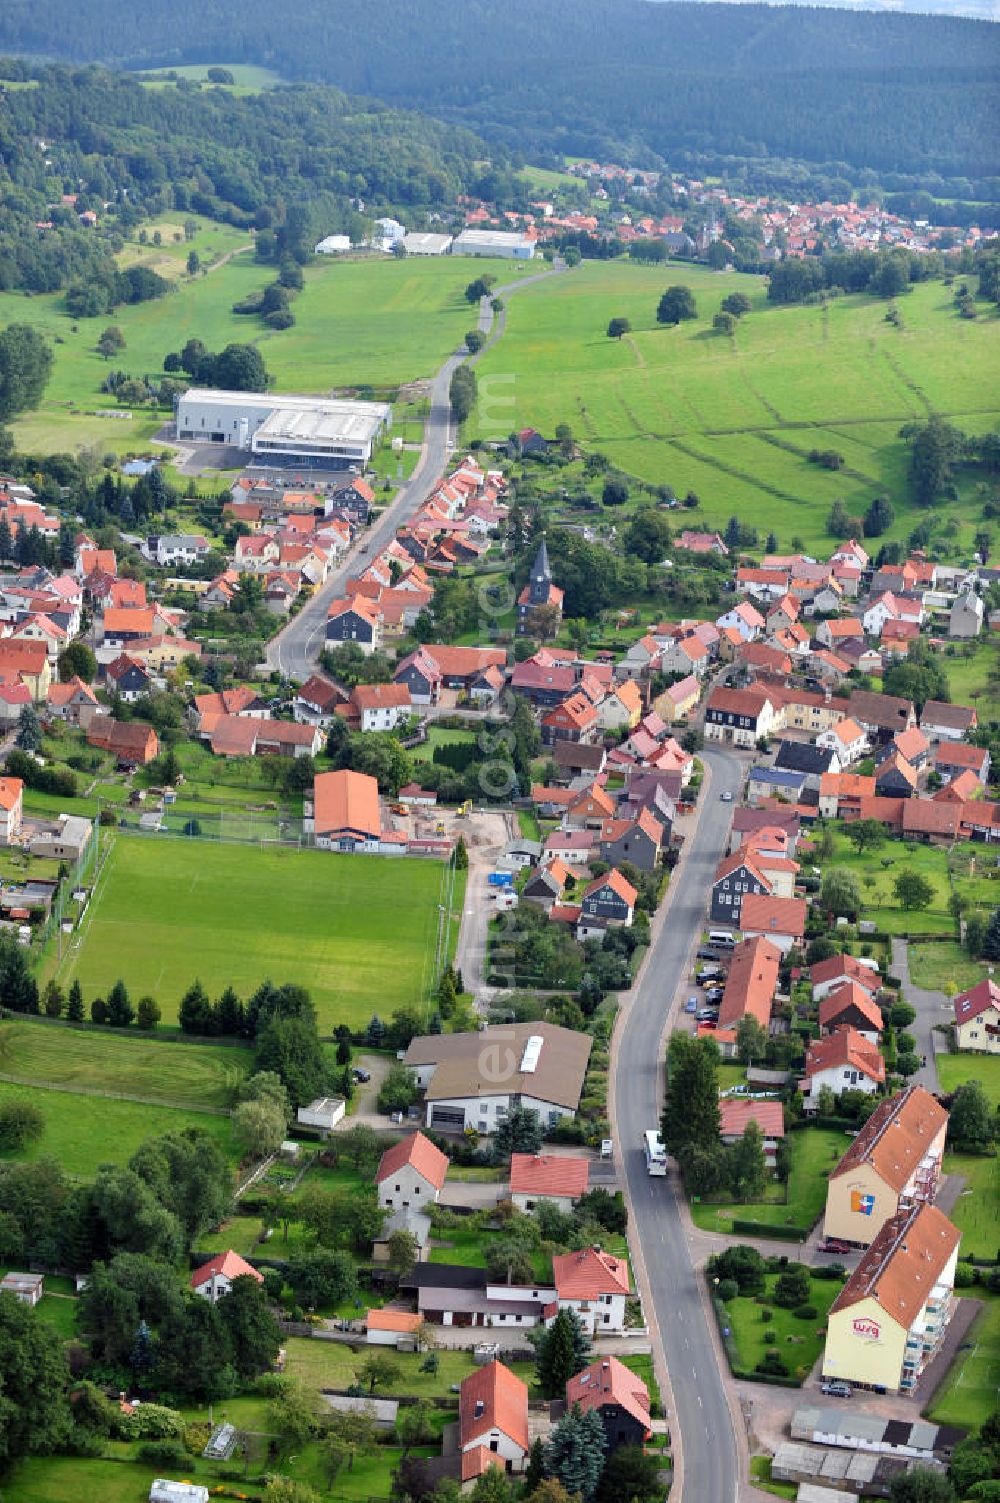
(317,433)
(505,243)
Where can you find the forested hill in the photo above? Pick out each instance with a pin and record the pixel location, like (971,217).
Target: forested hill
(894,93)
(292,159)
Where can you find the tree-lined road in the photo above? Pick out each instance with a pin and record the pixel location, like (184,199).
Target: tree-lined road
(701,1420)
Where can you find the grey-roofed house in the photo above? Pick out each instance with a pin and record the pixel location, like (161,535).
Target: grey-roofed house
(572,757)
(803,756)
(775,782)
(407,1220)
(472,1079)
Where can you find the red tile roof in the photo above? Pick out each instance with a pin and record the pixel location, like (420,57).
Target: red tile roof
(846,966)
(493,1398)
(849,994)
(346,800)
(418,1152)
(896,1136)
(609,1381)
(751,983)
(773,915)
(619,885)
(548,1174)
(227,1264)
(903,1264)
(978,999)
(394,1320)
(845,1047)
(589,1273)
(737,1111)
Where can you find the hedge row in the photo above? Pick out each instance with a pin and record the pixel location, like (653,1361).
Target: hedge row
(748,1228)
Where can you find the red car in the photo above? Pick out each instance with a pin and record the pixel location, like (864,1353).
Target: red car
(835,1245)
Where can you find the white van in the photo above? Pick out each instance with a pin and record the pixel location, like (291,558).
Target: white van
(722,939)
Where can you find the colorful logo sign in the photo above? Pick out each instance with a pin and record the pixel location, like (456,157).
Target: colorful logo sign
(861,1203)
(867,1328)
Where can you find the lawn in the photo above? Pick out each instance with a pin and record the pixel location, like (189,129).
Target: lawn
(247,78)
(376,321)
(953,1069)
(187,1075)
(333,1364)
(734,418)
(358,932)
(815,1150)
(936,967)
(969,677)
(975,1210)
(968,1395)
(83,1132)
(876,871)
(799,1342)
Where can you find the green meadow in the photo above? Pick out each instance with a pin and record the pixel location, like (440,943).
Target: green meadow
(83,1132)
(247,77)
(372,321)
(359,932)
(734,418)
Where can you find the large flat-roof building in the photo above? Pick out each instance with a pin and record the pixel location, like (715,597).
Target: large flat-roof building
(506,243)
(318,433)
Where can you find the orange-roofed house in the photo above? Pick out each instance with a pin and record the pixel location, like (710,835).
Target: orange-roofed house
(850,1005)
(639,840)
(841,793)
(621,709)
(891,1316)
(607,903)
(355,620)
(750,985)
(74,702)
(29,661)
(11,808)
(214,1279)
(389,1327)
(410,1174)
(618,1396)
(380,707)
(596,1285)
(589,809)
(557,1179)
(845,1062)
(735,1115)
(575,719)
(493,1419)
(893,1163)
(847,739)
(344,813)
(781,920)
(131,743)
(123,625)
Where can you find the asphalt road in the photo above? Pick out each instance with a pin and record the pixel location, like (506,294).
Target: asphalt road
(700,1414)
(295,650)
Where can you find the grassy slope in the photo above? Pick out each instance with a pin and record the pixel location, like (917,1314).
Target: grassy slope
(177,1075)
(83,1132)
(359,933)
(698,410)
(373,321)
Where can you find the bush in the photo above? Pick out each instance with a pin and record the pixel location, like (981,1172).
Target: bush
(728,1289)
(772,1363)
(770,1337)
(965,1276)
(149,1422)
(805,1312)
(766,1314)
(162,1454)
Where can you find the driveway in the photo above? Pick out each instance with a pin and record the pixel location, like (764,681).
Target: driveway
(931,1008)
(486,837)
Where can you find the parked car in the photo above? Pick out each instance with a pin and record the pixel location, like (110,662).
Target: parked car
(709,973)
(691,1005)
(834,1245)
(838,1390)
(707,1015)
(360,1076)
(707,953)
(726,797)
(715,994)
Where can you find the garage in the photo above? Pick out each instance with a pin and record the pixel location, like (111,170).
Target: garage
(448,1118)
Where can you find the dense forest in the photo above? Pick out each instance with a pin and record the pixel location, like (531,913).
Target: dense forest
(294,162)
(619,78)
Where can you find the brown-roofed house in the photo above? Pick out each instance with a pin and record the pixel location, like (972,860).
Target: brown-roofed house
(735,1114)
(345,811)
(617,1395)
(214,1279)
(893,1163)
(850,1004)
(844,1061)
(781,920)
(132,743)
(750,985)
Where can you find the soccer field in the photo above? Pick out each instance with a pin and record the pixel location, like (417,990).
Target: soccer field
(358,931)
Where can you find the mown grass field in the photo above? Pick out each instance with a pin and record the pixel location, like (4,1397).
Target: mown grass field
(968,1395)
(975,1210)
(734,418)
(876,871)
(247,77)
(798,1343)
(195,1075)
(936,967)
(83,1132)
(358,932)
(815,1150)
(373,321)
(954,1069)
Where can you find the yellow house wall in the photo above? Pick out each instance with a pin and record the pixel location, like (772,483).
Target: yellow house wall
(841,1221)
(857,1357)
(973,1034)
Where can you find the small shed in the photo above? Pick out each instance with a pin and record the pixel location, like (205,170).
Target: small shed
(165,1491)
(324,1113)
(26,1287)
